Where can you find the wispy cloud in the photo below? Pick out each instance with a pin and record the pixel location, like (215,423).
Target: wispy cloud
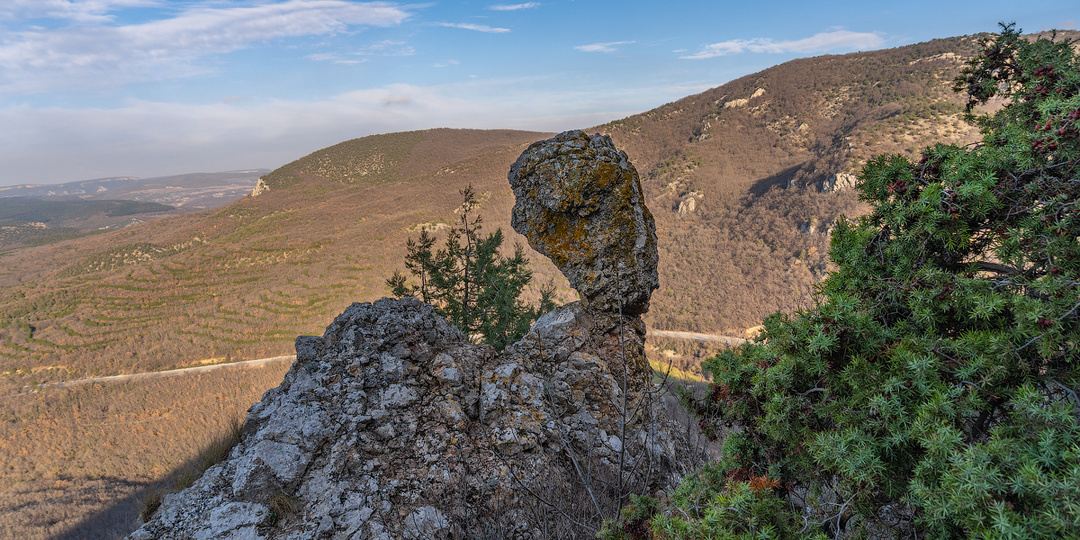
(97,56)
(335,58)
(825,41)
(476,27)
(387,47)
(514,7)
(244,132)
(447,63)
(609,47)
(82,11)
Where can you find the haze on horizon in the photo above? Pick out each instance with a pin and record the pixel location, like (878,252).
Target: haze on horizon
(98,88)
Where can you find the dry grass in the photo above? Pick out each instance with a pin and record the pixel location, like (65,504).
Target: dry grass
(79,461)
(241,282)
(282,507)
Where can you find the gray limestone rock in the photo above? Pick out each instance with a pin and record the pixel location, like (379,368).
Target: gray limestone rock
(579,201)
(393,425)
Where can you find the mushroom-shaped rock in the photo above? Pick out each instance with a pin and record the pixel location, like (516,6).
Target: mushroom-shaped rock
(393,425)
(579,201)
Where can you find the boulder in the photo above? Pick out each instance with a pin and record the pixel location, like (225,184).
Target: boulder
(392,424)
(579,202)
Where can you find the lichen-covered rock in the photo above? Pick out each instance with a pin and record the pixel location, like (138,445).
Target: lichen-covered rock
(579,201)
(393,425)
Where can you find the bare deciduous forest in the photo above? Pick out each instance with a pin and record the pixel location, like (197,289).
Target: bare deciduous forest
(739,179)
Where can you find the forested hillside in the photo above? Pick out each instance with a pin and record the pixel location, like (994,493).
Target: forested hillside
(743,178)
(745,181)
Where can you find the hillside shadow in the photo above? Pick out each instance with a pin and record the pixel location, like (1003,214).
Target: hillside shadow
(117,520)
(121,518)
(779,179)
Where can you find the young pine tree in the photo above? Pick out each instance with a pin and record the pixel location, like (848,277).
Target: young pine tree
(470,282)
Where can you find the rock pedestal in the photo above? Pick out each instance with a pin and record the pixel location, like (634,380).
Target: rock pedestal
(579,201)
(393,425)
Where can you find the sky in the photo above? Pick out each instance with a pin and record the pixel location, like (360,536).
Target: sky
(102,88)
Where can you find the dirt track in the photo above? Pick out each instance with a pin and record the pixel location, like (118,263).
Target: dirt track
(697,337)
(167,373)
(254,363)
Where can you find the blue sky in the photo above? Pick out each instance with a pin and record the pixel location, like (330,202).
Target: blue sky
(96,88)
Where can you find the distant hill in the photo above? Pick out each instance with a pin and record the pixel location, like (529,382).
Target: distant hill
(39,214)
(393,157)
(196,191)
(745,181)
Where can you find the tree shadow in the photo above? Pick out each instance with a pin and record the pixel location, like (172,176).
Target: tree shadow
(122,517)
(780,179)
(117,520)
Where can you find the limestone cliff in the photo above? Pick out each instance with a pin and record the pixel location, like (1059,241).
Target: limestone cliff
(393,425)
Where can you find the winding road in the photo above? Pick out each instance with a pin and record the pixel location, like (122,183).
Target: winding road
(671,334)
(157,374)
(696,336)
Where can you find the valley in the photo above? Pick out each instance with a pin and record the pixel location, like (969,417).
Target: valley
(44,214)
(744,180)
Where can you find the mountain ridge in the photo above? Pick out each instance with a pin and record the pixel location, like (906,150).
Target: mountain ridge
(740,192)
(735,244)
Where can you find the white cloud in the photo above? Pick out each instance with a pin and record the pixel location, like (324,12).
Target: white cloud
(83,11)
(821,42)
(101,56)
(147,139)
(513,7)
(447,63)
(324,57)
(476,27)
(335,58)
(387,47)
(608,47)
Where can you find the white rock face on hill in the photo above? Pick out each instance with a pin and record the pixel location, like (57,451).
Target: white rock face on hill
(260,188)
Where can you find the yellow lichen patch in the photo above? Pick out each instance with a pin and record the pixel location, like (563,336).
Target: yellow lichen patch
(567,244)
(606,174)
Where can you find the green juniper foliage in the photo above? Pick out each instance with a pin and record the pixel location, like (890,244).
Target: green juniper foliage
(470,282)
(932,392)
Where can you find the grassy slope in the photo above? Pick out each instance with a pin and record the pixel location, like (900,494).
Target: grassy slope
(243,281)
(240,282)
(740,255)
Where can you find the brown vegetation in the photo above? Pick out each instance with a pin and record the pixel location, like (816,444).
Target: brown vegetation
(242,281)
(77,460)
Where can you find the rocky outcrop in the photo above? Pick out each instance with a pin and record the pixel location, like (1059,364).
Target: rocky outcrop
(831,183)
(393,425)
(579,201)
(839,182)
(689,203)
(260,188)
